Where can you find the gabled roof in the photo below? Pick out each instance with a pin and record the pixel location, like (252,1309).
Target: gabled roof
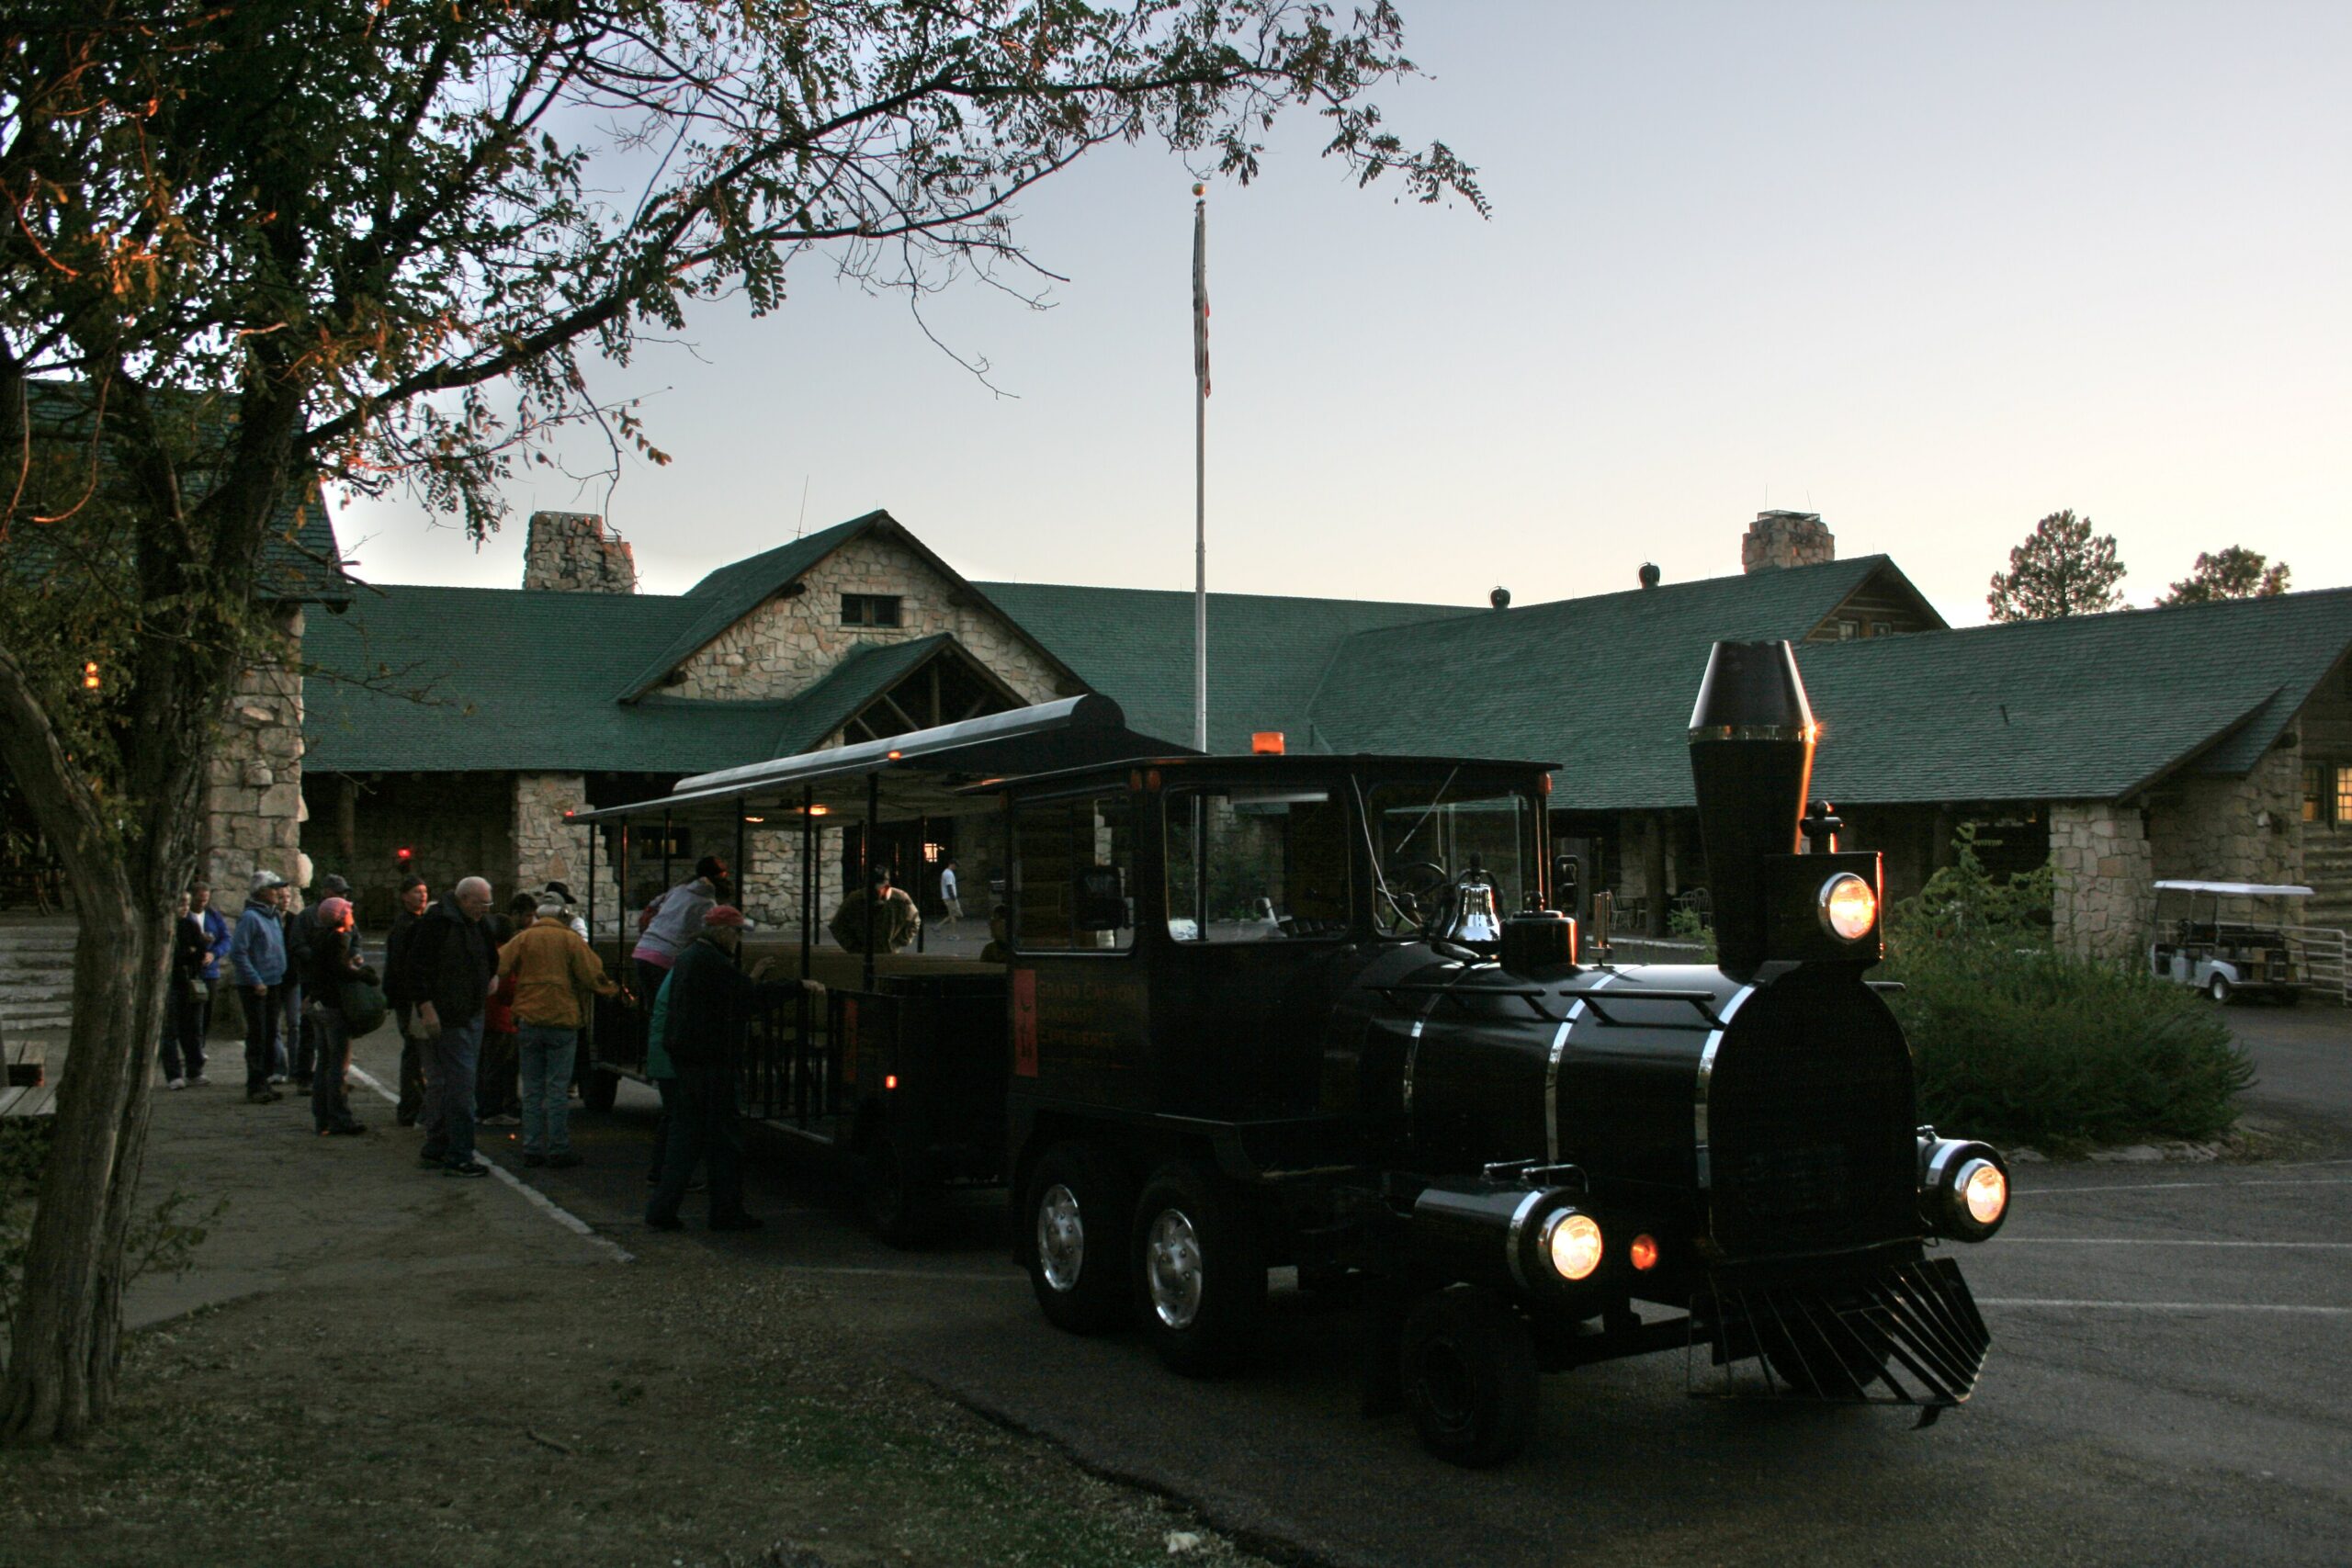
(2089,707)
(1267,654)
(1605,685)
(300,558)
(732,593)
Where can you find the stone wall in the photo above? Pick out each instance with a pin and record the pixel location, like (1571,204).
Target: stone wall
(253,795)
(571,552)
(547,848)
(2103,903)
(454,825)
(2232,829)
(787,645)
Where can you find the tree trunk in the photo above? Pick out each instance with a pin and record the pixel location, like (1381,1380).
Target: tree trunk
(69,1326)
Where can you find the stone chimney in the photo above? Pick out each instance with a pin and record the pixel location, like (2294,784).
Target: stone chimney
(570,552)
(1786,539)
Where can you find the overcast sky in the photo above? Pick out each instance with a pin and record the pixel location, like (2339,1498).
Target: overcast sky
(1929,270)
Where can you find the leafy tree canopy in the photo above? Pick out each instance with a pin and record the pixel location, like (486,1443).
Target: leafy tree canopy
(2061,569)
(2233,573)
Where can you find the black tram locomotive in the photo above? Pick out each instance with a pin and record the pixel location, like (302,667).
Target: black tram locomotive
(1319,1011)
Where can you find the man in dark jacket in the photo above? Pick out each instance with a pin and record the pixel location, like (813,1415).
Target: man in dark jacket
(451,967)
(402,993)
(709,1010)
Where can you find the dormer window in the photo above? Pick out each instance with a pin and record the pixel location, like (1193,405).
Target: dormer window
(870,610)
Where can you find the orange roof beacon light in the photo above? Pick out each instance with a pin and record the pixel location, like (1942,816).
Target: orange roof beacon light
(1266,743)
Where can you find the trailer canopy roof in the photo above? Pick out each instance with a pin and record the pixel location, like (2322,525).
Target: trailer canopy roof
(2238,889)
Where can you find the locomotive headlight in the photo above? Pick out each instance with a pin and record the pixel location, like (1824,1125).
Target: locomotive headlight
(1963,1188)
(1849,907)
(1572,1241)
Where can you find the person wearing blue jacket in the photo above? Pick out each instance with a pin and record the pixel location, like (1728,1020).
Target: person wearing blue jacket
(257,965)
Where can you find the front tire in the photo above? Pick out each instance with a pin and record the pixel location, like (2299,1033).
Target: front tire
(2218,988)
(1199,1270)
(1073,1220)
(1468,1371)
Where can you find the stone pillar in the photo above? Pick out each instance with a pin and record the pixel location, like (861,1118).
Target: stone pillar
(253,796)
(2105,898)
(572,552)
(547,848)
(1786,539)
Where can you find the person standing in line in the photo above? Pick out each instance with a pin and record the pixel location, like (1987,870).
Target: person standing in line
(554,973)
(498,1101)
(301,1026)
(570,906)
(709,1010)
(673,919)
(452,967)
(257,963)
(399,989)
(333,959)
(183,1030)
(950,901)
(216,940)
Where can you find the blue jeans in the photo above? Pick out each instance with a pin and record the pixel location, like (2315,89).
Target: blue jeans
(449,1093)
(543,1053)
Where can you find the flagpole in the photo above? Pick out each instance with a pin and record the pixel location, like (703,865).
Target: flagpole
(1200,470)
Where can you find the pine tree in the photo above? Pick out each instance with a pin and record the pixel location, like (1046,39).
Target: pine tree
(2233,573)
(2061,569)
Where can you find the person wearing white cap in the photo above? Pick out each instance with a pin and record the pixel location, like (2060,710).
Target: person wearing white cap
(555,972)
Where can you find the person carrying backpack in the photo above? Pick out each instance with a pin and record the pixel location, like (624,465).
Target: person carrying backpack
(332,964)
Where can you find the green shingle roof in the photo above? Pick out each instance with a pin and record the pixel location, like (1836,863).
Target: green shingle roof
(1602,685)
(1267,654)
(2092,707)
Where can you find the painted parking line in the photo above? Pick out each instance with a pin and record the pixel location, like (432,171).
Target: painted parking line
(2166,1241)
(2028,1303)
(2176,1186)
(536,1199)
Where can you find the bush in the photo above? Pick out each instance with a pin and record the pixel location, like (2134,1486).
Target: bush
(2014,1040)
(24,1145)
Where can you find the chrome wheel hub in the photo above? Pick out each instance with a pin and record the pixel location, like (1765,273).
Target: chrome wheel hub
(1172,1268)
(1061,1237)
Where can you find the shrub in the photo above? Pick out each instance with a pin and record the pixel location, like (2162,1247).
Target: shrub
(2015,1041)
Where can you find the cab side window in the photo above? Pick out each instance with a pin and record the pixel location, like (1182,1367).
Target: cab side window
(1073,874)
(1256,866)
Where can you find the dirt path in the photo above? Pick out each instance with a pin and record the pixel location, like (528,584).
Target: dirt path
(377,1365)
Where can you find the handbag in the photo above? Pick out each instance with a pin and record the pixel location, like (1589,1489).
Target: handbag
(363,1006)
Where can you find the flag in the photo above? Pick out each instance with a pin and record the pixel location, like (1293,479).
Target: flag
(1201,293)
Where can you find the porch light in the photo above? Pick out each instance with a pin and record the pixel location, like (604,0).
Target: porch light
(1266,743)
(90,681)
(754,819)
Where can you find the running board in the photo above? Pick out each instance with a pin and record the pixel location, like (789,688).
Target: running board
(1895,1334)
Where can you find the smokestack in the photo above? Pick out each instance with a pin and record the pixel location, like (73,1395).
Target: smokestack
(1752,760)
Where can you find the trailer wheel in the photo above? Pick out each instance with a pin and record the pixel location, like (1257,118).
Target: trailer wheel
(1199,1270)
(1468,1369)
(897,1199)
(599,1090)
(1075,1216)
(2218,988)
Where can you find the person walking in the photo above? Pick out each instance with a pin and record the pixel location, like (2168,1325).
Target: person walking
(452,965)
(184,999)
(671,920)
(709,1007)
(951,901)
(399,989)
(893,919)
(331,961)
(257,964)
(554,973)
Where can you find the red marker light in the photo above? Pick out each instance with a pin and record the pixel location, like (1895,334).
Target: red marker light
(890,1081)
(403,854)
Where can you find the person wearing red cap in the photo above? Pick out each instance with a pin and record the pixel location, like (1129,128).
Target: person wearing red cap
(330,959)
(709,1007)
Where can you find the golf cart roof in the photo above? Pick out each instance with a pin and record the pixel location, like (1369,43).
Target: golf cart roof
(2238,889)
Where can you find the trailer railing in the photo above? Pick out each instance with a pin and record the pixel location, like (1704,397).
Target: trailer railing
(2321,960)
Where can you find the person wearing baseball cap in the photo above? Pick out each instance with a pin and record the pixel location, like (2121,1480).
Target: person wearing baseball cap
(708,1012)
(555,972)
(257,961)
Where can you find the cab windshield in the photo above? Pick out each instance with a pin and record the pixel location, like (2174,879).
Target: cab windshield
(1429,836)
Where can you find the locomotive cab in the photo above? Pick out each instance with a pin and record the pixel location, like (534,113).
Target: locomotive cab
(1320,1011)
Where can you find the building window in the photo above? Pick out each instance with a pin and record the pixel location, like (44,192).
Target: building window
(2315,792)
(1881,629)
(1073,874)
(870,610)
(1849,630)
(2344,792)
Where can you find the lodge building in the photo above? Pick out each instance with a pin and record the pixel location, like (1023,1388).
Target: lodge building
(460,724)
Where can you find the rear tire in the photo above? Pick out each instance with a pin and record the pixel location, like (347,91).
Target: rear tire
(1468,1369)
(1199,1271)
(1074,1222)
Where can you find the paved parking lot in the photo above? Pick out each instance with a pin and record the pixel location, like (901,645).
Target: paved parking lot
(2173,1349)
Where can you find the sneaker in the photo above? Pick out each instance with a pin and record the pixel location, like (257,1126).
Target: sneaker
(501,1119)
(345,1130)
(264,1097)
(431,1162)
(199,1081)
(564,1161)
(532,1159)
(277,1077)
(177,1083)
(468,1168)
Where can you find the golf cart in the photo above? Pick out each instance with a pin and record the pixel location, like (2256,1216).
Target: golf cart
(2227,939)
